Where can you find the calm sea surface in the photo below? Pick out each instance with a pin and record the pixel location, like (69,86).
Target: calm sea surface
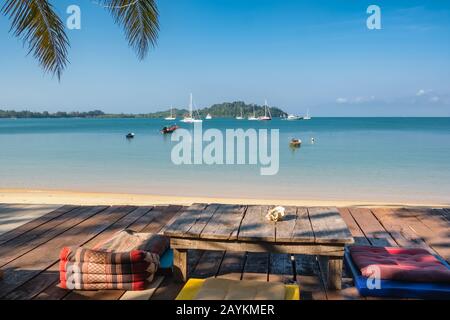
(373,159)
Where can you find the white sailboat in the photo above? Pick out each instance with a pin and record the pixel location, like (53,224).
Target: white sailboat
(191,118)
(171,115)
(208,117)
(267,116)
(253,118)
(307,117)
(240,117)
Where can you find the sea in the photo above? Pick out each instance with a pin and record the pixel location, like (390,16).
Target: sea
(358,159)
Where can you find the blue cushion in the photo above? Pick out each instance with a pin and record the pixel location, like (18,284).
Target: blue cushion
(398,289)
(166,261)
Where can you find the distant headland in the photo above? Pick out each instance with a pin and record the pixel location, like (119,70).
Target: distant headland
(222,110)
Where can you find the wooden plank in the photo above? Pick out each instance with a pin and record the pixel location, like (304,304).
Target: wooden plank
(180,265)
(94,295)
(410,223)
(373,230)
(185,221)
(160,218)
(180,209)
(5,237)
(32,239)
(232,265)
(255,227)
(434,219)
(202,220)
(281,268)
(295,227)
(284,229)
(225,223)
(399,228)
(14,215)
(328,226)
(208,265)
(355,230)
(256,267)
(145,294)
(294,248)
(34,262)
(308,278)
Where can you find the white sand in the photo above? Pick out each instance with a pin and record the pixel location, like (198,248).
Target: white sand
(24,196)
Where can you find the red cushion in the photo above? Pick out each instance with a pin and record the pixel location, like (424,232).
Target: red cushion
(412,265)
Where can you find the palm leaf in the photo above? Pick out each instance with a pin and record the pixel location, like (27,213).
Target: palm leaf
(139,18)
(36,23)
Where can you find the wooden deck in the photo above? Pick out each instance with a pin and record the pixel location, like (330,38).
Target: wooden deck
(29,252)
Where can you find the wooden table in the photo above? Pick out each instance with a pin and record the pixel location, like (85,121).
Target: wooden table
(313,231)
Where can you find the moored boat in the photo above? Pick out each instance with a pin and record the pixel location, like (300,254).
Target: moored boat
(295,143)
(170,129)
(190,118)
(267,115)
(171,117)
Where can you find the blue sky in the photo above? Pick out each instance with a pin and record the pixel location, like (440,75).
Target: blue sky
(296,54)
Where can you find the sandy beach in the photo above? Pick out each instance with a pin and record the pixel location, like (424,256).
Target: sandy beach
(28,196)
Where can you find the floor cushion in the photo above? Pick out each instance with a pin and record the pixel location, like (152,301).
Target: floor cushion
(396,288)
(223,289)
(415,264)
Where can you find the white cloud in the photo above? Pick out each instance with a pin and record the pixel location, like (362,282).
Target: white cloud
(421,92)
(435,99)
(355,100)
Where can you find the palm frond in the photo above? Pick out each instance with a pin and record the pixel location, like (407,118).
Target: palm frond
(37,24)
(139,19)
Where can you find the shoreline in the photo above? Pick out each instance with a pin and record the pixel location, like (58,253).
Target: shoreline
(69,197)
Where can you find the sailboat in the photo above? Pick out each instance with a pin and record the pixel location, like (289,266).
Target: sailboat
(190,118)
(171,115)
(267,115)
(240,117)
(253,118)
(307,117)
(208,117)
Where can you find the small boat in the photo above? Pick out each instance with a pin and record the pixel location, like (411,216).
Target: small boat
(267,116)
(253,118)
(130,135)
(170,129)
(190,118)
(307,117)
(208,117)
(293,117)
(240,117)
(171,117)
(295,143)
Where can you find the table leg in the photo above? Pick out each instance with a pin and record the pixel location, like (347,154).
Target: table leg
(335,265)
(180,265)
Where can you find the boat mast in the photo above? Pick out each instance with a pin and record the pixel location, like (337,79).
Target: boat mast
(190,107)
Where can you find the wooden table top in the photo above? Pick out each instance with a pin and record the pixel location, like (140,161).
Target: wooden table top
(320,225)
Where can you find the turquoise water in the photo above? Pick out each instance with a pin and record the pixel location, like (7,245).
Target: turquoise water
(368,159)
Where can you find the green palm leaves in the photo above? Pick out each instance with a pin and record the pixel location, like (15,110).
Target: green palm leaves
(35,22)
(40,28)
(139,19)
